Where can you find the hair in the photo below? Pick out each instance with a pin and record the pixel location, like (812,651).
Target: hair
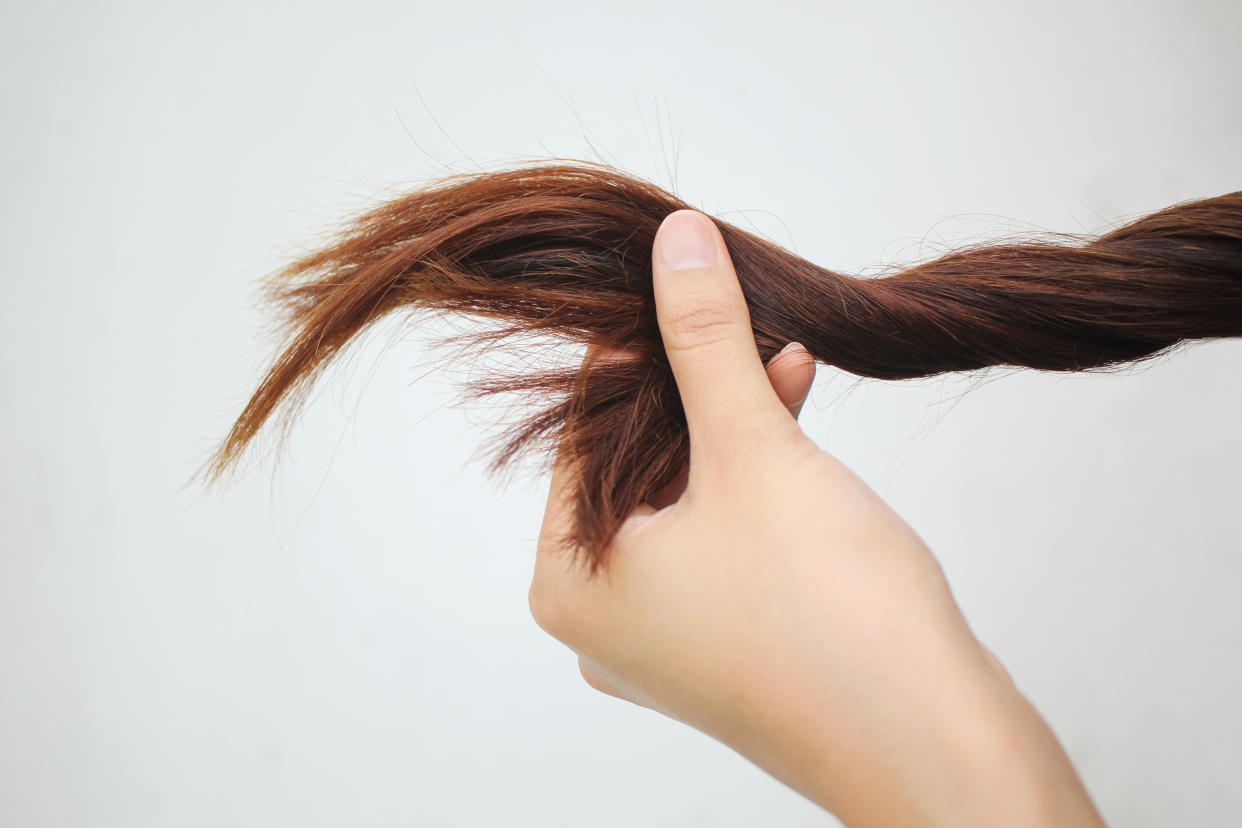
(564,250)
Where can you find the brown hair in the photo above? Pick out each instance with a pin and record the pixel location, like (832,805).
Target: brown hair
(565,250)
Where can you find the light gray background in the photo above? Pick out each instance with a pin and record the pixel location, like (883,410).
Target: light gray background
(346,641)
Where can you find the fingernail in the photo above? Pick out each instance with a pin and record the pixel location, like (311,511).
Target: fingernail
(783,351)
(684,241)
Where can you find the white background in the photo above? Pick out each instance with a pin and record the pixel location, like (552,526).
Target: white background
(344,639)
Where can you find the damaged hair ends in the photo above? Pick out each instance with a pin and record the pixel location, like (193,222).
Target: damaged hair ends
(564,251)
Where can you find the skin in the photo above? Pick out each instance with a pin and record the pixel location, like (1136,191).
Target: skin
(771,600)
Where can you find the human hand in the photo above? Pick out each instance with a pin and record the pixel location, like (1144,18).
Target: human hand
(771,600)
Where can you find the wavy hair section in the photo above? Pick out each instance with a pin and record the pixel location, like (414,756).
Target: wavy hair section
(564,250)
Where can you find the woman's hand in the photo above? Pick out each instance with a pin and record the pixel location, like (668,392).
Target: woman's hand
(773,601)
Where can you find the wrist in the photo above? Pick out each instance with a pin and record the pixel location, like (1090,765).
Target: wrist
(945,740)
(978,755)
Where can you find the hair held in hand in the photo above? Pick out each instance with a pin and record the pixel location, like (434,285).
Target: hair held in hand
(565,251)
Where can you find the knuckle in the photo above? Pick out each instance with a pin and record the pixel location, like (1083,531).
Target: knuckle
(699,323)
(591,677)
(544,607)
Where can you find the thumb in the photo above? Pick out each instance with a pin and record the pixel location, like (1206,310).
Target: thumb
(705,325)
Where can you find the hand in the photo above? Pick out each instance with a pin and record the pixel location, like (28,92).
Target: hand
(773,601)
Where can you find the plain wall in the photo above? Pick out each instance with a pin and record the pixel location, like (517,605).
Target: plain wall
(344,638)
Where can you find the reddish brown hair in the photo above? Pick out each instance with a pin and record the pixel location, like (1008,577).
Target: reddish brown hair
(565,250)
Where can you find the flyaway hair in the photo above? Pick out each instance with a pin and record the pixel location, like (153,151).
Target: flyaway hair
(564,251)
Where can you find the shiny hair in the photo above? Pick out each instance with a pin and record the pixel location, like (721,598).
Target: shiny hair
(564,251)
